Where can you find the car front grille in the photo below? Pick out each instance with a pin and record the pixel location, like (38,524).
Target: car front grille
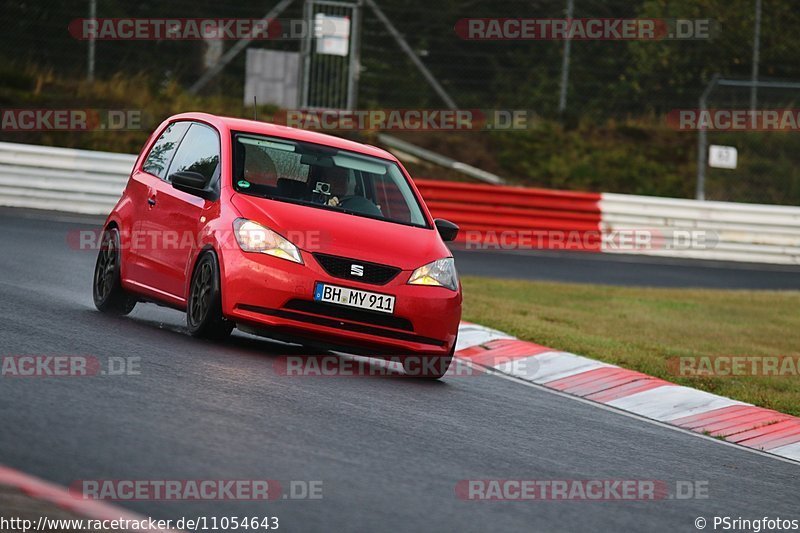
(345,313)
(341,323)
(342,267)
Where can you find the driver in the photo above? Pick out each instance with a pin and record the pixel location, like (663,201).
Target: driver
(336,186)
(339,180)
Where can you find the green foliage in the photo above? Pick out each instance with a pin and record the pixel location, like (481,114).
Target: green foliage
(612,138)
(636,157)
(136,92)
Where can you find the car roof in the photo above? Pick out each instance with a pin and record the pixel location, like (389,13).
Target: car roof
(286,132)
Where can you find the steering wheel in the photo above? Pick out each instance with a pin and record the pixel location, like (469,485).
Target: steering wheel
(345,199)
(359,204)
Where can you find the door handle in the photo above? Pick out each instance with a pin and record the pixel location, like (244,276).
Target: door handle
(151,201)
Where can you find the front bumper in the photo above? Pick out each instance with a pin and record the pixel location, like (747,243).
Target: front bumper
(265,292)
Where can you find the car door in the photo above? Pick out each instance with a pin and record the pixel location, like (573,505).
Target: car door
(173,223)
(140,190)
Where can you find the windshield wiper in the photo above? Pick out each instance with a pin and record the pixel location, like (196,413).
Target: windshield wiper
(338,209)
(309,203)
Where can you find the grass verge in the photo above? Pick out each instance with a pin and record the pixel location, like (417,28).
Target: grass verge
(642,328)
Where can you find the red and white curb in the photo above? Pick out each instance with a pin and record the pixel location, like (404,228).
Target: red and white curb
(60,497)
(634,392)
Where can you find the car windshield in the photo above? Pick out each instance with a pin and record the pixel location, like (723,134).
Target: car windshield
(323,177)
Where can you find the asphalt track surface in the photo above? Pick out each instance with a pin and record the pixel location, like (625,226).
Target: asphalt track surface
(388,451)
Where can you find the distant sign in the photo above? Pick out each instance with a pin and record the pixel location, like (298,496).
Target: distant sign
(722,156)
(332,34)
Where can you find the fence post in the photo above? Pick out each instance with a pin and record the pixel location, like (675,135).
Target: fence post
(702,141)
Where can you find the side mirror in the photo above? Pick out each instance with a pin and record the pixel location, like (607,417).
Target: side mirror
(193,183)
(446,229)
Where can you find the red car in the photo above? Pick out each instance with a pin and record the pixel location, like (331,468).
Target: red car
(283,232)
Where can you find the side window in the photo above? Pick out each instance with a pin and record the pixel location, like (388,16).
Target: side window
(198,152)
(161,154)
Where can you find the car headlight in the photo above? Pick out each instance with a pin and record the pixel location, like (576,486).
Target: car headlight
(253,237)
(440,273)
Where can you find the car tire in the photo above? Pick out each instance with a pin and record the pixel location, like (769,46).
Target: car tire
(204,309)
(107,292)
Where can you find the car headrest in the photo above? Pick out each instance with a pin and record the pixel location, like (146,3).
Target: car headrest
(290,188)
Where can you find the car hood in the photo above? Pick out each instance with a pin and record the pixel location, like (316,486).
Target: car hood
(335,233)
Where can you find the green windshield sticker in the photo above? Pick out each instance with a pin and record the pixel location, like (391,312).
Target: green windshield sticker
(244,184)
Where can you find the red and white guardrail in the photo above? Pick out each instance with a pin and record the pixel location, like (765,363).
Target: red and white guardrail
(502,218)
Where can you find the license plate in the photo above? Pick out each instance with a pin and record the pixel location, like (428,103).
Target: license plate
(354,298)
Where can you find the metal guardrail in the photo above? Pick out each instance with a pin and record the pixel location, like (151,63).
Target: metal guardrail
(89,182)
(732,231)
(62,179)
